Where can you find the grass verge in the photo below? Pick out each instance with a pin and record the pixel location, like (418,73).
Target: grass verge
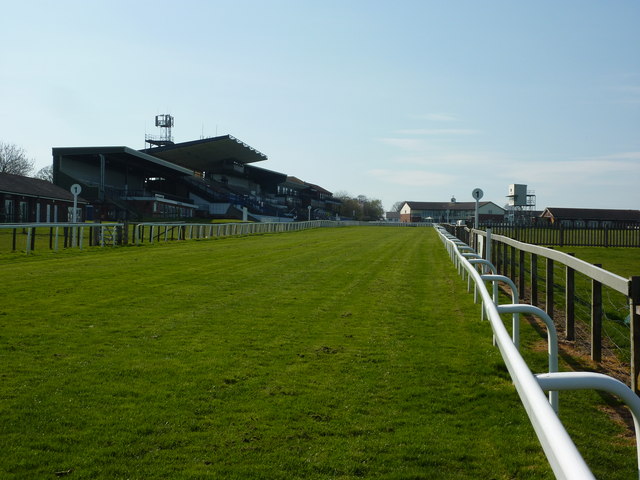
(330,353)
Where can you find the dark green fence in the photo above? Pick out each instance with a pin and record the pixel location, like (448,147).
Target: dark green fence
(619,235)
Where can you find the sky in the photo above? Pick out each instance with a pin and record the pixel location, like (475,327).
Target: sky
(399,101)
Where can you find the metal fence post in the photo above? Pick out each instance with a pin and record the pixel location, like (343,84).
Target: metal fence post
(28,246)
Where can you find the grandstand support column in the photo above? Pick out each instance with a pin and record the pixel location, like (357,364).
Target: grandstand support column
(102,179)
(634,317)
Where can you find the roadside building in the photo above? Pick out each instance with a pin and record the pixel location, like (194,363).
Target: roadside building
(31,200)
(590,217)
(393,217)
(450,212)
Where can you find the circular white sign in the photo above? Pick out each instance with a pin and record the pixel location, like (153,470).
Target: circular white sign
(477,193)
(76,189)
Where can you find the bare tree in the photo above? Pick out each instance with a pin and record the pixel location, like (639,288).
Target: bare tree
(45,173)
(397,206)
(13,159)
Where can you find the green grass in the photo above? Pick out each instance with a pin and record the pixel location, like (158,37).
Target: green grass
(621,261)
(328,353)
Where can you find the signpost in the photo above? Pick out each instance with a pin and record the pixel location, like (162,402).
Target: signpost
(75,190)
(477,194)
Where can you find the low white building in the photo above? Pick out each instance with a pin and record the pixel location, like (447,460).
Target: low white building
(450,212)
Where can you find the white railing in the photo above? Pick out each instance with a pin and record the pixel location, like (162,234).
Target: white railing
(564,458)
(62,235)
(22,237)
(163,232)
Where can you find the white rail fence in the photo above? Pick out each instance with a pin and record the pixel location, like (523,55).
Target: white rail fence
(28,237)
(55,236)
(601,325)
(563,456)
(190,231)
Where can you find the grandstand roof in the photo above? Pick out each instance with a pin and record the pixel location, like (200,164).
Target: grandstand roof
(203,154)
(124,156)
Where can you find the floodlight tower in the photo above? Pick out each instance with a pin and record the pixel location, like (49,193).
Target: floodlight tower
(165,122)
(522,203)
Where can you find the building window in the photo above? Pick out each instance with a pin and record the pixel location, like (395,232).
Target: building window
(8,211)
(24,212)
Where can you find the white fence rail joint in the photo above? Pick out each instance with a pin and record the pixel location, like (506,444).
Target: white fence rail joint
(515,318)
(595,381)
(564,458)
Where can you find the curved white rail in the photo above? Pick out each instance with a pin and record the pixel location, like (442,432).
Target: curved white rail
(563,456)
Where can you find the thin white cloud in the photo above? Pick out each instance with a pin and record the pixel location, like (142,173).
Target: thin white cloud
(455,160)
(413,178)
(589,172)
(438,131)
(630,91)
(410,144)
(436,117)
(618,156)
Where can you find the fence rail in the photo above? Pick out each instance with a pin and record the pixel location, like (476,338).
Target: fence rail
(563,456)
(28,237)
(539,270)
(617,235)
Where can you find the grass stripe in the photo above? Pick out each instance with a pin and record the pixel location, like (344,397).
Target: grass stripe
(332,353)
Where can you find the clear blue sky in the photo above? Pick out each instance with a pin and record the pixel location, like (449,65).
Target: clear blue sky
(407,100)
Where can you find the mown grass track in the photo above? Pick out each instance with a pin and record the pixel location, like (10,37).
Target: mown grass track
(332,353)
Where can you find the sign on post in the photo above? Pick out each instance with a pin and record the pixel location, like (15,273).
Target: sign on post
(75,191)
(477,194)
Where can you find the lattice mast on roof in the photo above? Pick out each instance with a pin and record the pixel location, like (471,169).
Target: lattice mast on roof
(165,123)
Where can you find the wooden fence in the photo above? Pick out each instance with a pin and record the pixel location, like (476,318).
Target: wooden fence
(619,235)
(534,270)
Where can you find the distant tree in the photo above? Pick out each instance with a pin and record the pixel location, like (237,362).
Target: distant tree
(360,207)
(397,206)
(372,210)
(13,159)
(45,173)
(350,207)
